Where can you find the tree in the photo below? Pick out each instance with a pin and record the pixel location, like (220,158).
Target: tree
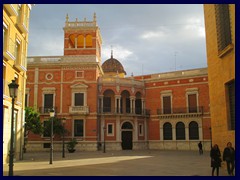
(32,123)
(57,126)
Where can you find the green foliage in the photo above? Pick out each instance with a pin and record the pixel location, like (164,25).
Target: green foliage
(32,121)
(71,144)
(57,126)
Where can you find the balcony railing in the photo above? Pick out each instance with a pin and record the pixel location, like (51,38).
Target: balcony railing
(9,49)
(184,111)
(46,110)
(125,111)
(79,110)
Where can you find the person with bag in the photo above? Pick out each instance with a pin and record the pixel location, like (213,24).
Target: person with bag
(229,157)
(215,155)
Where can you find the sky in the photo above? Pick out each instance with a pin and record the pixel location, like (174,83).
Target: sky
(145,38)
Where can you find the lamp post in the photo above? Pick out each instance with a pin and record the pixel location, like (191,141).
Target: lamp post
(210,130)
(104,145)
(13,87)
(63,138)
(52,113)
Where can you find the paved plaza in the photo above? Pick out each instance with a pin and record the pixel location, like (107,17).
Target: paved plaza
(116,163)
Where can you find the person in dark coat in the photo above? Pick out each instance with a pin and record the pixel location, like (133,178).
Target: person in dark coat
(229,157)
(200,148)
(215,155)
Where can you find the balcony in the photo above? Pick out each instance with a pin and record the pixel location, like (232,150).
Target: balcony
(9,50)
(22,22)
(46,110)
(12,9)
(121,111)
(180,112)
(79,110)
(21,63)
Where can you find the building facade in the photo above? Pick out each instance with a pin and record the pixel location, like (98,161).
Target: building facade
(15,43)
(105,108)
(220,44)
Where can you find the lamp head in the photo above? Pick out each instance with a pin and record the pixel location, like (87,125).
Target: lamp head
(52,113)
(13,89)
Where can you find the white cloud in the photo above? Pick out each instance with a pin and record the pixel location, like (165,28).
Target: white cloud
(120,53)
(196,24)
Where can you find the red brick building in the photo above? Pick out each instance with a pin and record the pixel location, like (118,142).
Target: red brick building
(156,111)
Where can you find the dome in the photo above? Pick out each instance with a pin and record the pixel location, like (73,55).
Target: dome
(112,65)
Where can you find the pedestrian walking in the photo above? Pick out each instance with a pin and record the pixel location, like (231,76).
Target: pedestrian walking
(229,157)
(215,155)
(200,148)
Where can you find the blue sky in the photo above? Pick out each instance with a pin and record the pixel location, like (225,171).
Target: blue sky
(146,39)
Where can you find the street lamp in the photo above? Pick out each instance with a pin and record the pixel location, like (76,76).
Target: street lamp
(63,140)
(13,87)
(104,143)
(210,130)
(52,113)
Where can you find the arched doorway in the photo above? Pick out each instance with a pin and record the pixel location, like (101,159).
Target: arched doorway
(127,134)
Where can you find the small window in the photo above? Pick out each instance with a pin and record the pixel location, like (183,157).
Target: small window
(110,129)
(46,145)
(140,129)
(79,74)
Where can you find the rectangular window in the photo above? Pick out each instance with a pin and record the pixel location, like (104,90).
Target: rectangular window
(79,74)
(223,26)
(192,103)
(231,103)
(46,145)
(140,129)
(79,99)
(26,100)
(166,104)
(48,102)
(5,36)
(78,128)
(46,133)
(110,129)
(17,50)
(107,104)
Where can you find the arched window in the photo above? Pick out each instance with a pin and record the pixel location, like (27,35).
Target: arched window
(193,130)
(167,131)
(72,41)
(180,131)
(88,41)
(80,41)
(127,125)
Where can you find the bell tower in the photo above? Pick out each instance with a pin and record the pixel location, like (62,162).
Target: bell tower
(82,38)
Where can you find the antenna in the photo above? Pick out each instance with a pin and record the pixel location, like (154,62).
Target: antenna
(111,51)
(175,57)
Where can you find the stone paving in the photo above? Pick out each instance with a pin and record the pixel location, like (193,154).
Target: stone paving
(116,163)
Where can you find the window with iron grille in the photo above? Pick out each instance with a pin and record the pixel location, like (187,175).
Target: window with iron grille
(223,26)
(167,131)
(230,87)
